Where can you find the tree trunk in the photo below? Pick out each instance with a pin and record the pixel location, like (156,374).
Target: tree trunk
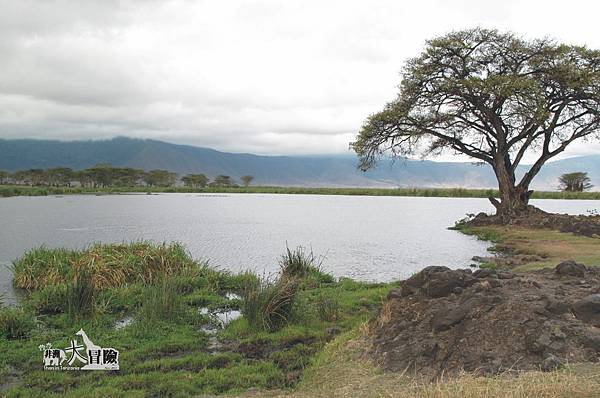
(513,198)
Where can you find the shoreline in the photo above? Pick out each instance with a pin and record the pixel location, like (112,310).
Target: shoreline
(20,190)
(292,361)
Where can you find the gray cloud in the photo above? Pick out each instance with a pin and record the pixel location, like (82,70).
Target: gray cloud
(267,77)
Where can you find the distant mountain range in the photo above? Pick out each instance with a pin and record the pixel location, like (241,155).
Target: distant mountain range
(315,171)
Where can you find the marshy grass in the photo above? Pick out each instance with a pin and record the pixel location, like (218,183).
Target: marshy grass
(268,305)
(15,323)
(302,264)
(162,302)
(298,263)
(81,294)
(109,265)
(165,350)
(271,304)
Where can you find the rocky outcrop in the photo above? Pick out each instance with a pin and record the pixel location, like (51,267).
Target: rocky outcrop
(443,321)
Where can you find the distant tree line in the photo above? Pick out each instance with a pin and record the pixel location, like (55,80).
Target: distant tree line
(106,175)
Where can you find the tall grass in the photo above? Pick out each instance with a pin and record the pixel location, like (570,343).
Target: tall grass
(109,265)
(162,302)
(81,294)
(15,323)
(302,264)
(269,305)
(297,263)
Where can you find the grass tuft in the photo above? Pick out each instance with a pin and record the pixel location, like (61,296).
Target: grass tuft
(81,294)
(162,302)
(269,305)
(15,323)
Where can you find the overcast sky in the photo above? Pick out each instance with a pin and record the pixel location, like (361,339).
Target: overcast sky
(267,77)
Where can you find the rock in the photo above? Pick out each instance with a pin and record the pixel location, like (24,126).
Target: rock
(555,306)
(506,275)
(331,332)
(588,309)
(495,283)
(436,282)
(538,343)
(484,273)
(570,268)
(592,340)
(445,318)
(550,363)
(441,284)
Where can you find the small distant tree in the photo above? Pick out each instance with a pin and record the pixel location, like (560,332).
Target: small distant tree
(34,177)
(4,176)
(222,181)
(195,180)
(246,180)
(575,182)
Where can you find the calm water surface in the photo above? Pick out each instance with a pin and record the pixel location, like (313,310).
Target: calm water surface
(363,237)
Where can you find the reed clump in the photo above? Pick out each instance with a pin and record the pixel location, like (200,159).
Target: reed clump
(108,265)
(268,305)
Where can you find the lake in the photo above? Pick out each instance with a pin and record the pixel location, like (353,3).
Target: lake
(364,237)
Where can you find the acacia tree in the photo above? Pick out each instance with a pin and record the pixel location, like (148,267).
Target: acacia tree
(195,180)
(3,176)
(575,182)
(246,180)
(494,97)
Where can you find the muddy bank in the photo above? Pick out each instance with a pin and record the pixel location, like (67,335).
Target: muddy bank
(443,321)
(536,218)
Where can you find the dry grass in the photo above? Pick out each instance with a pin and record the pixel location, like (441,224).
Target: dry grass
(553,246)
(341,371)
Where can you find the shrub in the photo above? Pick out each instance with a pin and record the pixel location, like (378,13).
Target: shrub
(269,305)
(15,323)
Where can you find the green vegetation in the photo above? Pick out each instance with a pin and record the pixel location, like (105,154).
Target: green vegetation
(167,349)
(18,190)
(110,265)
(104,176)
(492,96)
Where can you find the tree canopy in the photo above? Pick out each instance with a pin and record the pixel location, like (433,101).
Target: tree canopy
(575,182)
(492,96)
